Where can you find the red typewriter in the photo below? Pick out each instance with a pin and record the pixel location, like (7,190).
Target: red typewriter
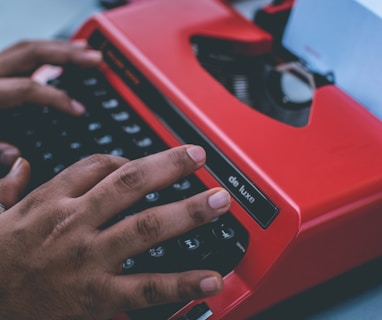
(305,173)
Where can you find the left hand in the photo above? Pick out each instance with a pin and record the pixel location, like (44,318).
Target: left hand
(18,62)
(14,183)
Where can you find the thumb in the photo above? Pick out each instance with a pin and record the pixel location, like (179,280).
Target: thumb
(14,183)
(8,154)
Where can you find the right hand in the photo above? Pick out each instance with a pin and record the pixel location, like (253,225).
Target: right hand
(57,263)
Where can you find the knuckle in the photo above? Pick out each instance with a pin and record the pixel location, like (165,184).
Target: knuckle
(100,161)
(121,240)
(59,222)
(132,177)
(30,48)
(26,45)
(79,253)
(148,226)
(36,198)
(151,292)
(94,296)
(128,303)
(27,86)
(185,291)
(10,192)
(195,211)
(178,160)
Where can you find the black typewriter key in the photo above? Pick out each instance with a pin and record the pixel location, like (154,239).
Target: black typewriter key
(75,145)
(104,140)
(128,264)
(133,265)
(152,197)
(132,128)
(30,132)
(110,104)
(87,115)
(72,151)
(189,244)
(94,126)
(45,111)
(50,162)
(58,168)
(157,252)
(63,133)
(120,152)
(195,250)
(120,116)
(90,82)
(160,258)
(223,232)
(100,92)
(38,144)
(143,142)
(182,185)
(47,156)
(184,188)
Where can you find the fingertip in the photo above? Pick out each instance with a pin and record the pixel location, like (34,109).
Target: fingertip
(15,181)
(94,56)
(80,43)
(196,153)
(77,107)
(21,171)
(9,156)
(211,285)
(18,163)
(220,199)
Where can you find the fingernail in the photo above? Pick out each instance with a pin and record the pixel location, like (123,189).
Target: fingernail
(94,55)
(78,107)
(8,156)
(219,199)
(196,153)
(210,285)
(16,165)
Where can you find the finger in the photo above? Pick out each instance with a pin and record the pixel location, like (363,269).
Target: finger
(8,154)
(136,178)
(142,231)
(80,177)
(147,290)
(27,56)
(17,91)
(13,184)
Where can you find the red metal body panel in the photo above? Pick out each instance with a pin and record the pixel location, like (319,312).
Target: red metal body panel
(326,177)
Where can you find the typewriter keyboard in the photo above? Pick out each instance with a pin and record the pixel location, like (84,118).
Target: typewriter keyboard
(51,141)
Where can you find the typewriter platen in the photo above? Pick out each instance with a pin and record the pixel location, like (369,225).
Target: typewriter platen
(303,169)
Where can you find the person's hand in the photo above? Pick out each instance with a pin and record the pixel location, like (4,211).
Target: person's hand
(57,263)
(14,183)
(16,88)
(18,62)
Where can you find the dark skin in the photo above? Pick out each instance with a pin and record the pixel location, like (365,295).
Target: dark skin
(56,263)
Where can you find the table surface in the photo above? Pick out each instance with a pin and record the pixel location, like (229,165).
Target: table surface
(352,296)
